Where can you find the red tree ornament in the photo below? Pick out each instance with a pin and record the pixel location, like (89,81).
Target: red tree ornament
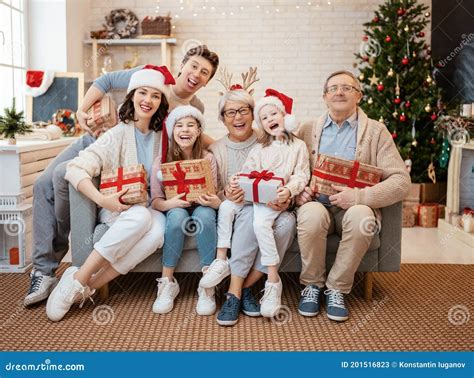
(394,135)
(405,61)
(421,34)
(376,19)
(380,87)
(365,38)
(407,104)
(403,117)
(400,11)
(388,38)
(397,100)
(434,117)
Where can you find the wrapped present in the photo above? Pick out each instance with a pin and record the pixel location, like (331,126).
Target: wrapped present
(260,186)
(467,220)
(428,214)
(103,113)
(193,177)
(408,216)
(132,178)
(331,170)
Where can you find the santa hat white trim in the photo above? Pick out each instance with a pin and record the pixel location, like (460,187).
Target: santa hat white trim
(148,78)
(290,119)
(182,112)
(48,78)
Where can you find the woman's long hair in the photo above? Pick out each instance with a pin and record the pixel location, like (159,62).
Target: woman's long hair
(127,112)
(176,154)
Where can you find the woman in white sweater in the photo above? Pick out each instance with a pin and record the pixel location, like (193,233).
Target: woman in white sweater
(135,231)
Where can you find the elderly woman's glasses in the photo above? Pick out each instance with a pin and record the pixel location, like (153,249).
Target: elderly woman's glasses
(344,89)
(231,113)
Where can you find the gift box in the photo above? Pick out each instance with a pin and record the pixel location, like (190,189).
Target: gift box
(428,214)
(260,186)
(132,178)
(331,170)
(193,177)
(103,114)
(431,193)
(408,216)
(467,220)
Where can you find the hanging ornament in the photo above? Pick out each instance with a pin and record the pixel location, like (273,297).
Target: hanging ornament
(376,19)
(429,80)
(405,60)
(432,172)
(394,135)
(414,54)
(427,108)
(380,87)
(432,141)
(365,38)
(397,100)
(406,28)
(407,104)
(381,119)
(403,117)
(397,87)
(414,143)
(370,101)
(395,114)
(373,79)
(421,34)
(413,130)
(434,117)
(372,60)
(408,164)
(361,77)
(444,156)
(390,72)
(365,58)
(400,12)
(388,38)
(427,14)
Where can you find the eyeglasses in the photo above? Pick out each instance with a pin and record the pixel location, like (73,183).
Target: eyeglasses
(344,88)
(231,113)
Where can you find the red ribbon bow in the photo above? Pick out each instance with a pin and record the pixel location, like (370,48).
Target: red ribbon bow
(169,79)
(259,176)
(181,182)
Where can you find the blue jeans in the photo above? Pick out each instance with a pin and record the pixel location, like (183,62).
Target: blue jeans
(199,222)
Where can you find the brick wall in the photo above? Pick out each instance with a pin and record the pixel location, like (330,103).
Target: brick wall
(294,48)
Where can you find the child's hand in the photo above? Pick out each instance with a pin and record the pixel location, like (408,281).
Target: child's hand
(283,194)
(210,200)
(114,202)
(178,202)
(234,182)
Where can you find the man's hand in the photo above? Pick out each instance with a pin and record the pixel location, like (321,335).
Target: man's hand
(305,196)
(83,118)
(277,206)
(345,198)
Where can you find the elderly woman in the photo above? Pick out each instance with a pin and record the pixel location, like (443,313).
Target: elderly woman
(236,112)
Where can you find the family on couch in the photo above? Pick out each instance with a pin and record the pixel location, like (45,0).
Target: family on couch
(257,235)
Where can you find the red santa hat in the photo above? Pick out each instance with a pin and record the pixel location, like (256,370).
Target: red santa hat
(38,82)
(281,102)
(152,76)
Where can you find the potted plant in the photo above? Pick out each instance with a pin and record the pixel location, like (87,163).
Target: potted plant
(12,123)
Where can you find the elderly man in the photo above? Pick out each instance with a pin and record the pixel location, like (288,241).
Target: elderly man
(345,132)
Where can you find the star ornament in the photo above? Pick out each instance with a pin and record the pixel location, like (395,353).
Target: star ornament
(373,79)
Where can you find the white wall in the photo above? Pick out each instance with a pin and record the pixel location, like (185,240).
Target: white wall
(294,49)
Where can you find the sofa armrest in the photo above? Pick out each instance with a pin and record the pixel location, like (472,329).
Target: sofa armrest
(83,221)
(390,251)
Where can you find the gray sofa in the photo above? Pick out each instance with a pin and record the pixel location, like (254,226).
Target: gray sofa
(383,256)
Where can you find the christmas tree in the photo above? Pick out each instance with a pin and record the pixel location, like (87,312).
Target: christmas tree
(13,123)
(399,90)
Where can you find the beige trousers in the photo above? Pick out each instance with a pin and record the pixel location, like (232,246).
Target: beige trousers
(356,226)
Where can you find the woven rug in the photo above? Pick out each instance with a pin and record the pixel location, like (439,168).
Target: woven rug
(422,308)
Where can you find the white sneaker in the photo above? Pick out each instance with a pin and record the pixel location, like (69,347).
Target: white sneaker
(206,304)
(217,271)
(41,286)
(167,292)
(66,292)
(271,301)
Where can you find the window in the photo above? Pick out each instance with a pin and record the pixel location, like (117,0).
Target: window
(12,53)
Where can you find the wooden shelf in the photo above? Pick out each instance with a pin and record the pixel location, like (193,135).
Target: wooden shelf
(131,41)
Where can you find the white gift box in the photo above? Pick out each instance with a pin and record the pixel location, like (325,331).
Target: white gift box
(260,186)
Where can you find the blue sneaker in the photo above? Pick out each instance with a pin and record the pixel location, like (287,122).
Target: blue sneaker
(229,313)
(250,307)
(309,302)
(336,309)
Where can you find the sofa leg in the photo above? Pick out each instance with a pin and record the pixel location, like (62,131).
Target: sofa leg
(368,284)
(104,292)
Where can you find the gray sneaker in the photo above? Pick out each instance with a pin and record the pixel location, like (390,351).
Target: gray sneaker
(41,286)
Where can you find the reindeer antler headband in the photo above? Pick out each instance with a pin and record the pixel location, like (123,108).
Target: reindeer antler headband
(248,78)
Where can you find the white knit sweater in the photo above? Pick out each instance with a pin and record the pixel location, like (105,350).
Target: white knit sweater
(115,148)
(287,160)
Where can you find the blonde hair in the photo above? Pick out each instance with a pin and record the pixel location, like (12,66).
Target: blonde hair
(236,95)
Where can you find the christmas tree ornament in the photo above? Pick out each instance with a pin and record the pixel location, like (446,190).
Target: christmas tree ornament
(397,100)
(365,38)
(403,117)
(432,172)
(394,135)
(361,77)
(370,101)
(395,114)
(381,119)
(376,19)
(413,130)
(373,79)
(432,141)
(380,87)
(407,104)
(405,60)
(372,60)
(433,117)
(388,38)
(408,164)
(397,86)
(421,34)
(400,11)
(428,108)
(413,54)
(365,58)
(406,28)
(429,80)
(427,14)
(390,72)
(414,143)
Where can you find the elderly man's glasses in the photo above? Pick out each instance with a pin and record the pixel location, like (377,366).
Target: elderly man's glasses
(231,113)
(344,89)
